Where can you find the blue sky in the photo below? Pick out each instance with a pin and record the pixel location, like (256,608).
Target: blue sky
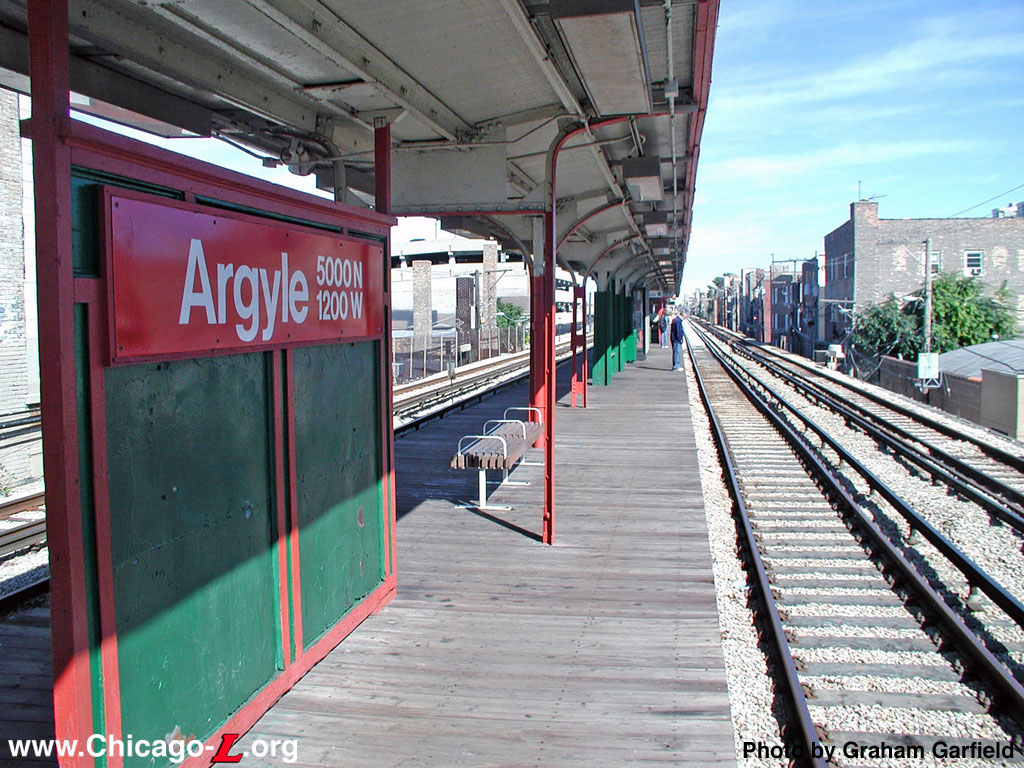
(923,102)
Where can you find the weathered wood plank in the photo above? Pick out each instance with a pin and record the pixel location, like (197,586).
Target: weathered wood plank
(602,650)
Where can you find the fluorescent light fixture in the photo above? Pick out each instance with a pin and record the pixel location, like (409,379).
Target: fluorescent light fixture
(606,42)
(643,177)
(656,223)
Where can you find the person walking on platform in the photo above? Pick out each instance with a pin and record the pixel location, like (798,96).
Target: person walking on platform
(663,327)
(677,340)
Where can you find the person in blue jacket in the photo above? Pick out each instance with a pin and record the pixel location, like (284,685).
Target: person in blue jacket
(677,341)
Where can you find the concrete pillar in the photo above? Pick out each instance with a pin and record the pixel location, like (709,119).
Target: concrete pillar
(489,287)
(422,303)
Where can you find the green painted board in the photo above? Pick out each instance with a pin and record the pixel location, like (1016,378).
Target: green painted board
(340,499)
(191,500)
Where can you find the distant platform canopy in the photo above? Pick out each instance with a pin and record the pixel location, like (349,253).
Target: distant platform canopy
(476,93)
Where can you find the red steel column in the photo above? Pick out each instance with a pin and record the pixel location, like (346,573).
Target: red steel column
(538,380)
(382,166)
(51,162)
(550,391)
(382,204)
(584,365)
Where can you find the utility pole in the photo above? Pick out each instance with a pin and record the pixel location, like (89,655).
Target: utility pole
(928,295)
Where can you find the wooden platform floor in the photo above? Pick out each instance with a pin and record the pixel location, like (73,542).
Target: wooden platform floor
(26,681)
(603,650)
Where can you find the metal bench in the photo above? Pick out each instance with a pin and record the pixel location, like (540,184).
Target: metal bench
(501,445)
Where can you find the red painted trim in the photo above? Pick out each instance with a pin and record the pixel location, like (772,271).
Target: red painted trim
(104,531)
(382,168)
(703,51)
(550,372)
(257,706)
(277,387)
(382,200)
(102,150)
(537,356)
(293,503)
(98,310)
(48,65)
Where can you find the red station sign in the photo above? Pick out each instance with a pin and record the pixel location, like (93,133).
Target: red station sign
(184,281)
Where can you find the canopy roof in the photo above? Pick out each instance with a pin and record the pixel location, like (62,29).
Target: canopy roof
(476,92)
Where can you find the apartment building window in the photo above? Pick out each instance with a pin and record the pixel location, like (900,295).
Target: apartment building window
(973,263)
(936,262)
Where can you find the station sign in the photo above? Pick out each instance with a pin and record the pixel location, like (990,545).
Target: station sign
(185,281)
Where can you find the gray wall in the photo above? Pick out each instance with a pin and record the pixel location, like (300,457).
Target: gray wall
(958,395)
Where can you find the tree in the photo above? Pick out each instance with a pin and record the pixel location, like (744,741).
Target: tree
(961,316)
(509,315)
(887,329)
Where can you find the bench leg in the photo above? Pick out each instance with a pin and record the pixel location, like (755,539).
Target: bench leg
(506,481)
(482,492)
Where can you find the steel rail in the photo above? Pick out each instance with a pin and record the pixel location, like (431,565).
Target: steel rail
(13,506)
(957,473)
(994,452)
(22,537)
(795,694)
(1003,683)
(14,600)
(975,575)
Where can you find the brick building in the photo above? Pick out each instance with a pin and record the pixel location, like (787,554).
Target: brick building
(16,461)
(867,259)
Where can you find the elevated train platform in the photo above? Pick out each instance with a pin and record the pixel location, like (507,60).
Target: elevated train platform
(224,500)
(603,650)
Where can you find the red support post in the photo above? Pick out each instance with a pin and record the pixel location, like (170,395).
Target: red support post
(538,381)
(550,392)
(382,203)
(579,346)
(382,166)
(51,162)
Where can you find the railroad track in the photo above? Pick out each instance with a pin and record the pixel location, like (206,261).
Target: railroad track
(431,397)
(867,651)
(979,471)
(989,474)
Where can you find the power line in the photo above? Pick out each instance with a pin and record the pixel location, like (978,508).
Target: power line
(978,205)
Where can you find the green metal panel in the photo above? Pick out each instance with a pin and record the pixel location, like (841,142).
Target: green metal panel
(603,345)
(191,502)
(85,219)
(620,332)
(338,472)
(87,496)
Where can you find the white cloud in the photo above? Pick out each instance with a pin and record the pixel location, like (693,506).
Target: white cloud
(776,170)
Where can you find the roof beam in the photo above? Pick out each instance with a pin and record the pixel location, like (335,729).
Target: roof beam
(322,29)
(120,33)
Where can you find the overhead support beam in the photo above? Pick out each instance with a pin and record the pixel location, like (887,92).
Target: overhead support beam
(574,227)
(521,24)
(113,30)
(322,29)
(526,116)
(97,82)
